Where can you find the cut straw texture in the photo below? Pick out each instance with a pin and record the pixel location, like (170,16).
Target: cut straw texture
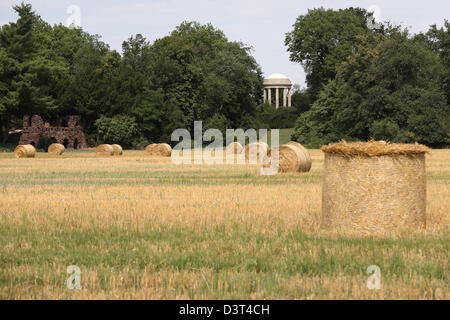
(256,151)
(56,149)
(372,188)
(234,148)
(159,149)
(25,151)
(104,150)
(118,151)
(374,149)
(290,159)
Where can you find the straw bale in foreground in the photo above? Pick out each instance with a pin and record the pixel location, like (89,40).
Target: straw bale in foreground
(372,188)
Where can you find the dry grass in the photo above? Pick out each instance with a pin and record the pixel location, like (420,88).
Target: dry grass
(200,231)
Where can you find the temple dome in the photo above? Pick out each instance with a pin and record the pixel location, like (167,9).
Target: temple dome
(276,79)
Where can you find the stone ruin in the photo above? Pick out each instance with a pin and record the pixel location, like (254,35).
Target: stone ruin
(67,131)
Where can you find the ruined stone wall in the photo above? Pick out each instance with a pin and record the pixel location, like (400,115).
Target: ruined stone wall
(71,136)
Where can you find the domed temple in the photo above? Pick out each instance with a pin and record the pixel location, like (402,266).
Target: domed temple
(280,85)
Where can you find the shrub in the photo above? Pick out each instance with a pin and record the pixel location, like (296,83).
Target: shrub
(120,129)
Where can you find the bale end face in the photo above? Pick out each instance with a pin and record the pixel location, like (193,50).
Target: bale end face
(118,151)
(288,158)
(305,152)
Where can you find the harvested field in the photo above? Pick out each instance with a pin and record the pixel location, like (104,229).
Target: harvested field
(142,227)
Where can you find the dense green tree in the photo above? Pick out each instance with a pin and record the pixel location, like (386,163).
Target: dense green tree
(28,79)
(322,39)
(389,88)
(120,129)
(362,82)
(439,39)
(204,75)
(301,100)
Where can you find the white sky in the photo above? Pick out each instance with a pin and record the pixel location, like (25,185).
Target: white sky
(261,24)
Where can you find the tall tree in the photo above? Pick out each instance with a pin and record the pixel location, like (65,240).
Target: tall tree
(439,39)
(27,77)
(203,75)
(389,89)
(322,39)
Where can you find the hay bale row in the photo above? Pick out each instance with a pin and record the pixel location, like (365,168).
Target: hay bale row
(292,157)
(373,187)
(25,151)
(56,149)
(159,149)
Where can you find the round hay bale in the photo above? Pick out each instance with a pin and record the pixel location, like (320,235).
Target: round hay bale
(234,148)
(305,151)
(56,148)
(290,158)
(372,188)
(118,151)
(104,150)
(25,151)
(256,151)
(159,149)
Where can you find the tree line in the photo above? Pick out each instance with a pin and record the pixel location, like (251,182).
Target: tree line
(134,97)
(363,81)
(369,80)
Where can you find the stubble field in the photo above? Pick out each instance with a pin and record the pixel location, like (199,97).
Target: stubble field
(141,227)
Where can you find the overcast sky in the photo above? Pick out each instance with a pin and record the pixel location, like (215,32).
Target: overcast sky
(261,24)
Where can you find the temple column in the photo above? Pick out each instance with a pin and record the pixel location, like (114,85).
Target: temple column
(269,91)
(284,97)
(264,95)
(277,97)
(289,98)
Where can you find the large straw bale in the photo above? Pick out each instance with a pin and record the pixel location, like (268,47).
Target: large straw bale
(104,150)
(25,151)
(118,151)
(56,148)
(290,159)
(159,149)
(372,188)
